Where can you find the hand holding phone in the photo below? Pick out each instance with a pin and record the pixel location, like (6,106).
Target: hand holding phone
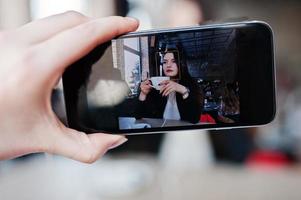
(32,60)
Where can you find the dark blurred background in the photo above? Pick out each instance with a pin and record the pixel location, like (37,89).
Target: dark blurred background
(256,163)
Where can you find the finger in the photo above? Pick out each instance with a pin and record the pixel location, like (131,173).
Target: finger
(168,84)
(45,28)
(72,44)
(167,91)
(164,85)
(85,148)
(146,83)
(162,89)
(146,88)
(164,82)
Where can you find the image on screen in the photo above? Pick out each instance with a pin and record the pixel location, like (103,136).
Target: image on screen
(166,80)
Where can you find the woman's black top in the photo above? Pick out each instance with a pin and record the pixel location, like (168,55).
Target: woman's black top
(189,108)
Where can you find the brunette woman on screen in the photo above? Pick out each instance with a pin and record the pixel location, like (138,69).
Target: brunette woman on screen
(179,98)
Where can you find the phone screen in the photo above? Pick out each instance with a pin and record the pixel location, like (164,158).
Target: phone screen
(174,80)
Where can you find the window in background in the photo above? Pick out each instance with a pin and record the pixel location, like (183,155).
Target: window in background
(43,8)
(138,9)
(132,63)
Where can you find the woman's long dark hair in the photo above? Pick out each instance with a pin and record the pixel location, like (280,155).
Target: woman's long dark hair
(180,59)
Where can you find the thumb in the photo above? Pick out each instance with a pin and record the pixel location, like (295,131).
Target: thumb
(83,147)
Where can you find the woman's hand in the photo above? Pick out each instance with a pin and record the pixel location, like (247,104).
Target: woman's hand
(169,86)
(145,88)
(32,59)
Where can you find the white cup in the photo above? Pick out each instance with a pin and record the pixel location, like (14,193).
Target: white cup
(156,80)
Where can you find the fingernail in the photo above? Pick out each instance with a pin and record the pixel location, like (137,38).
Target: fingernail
(133,19)
(118,142)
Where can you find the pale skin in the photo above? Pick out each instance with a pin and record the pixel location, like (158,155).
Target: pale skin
(170,69)
(32,59)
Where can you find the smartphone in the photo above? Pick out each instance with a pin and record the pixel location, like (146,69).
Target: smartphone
(203,77)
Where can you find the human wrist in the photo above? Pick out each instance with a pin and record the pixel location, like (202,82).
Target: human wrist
(182,89)
(185,94)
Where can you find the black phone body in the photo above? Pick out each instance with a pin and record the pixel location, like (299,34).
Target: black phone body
(215,77)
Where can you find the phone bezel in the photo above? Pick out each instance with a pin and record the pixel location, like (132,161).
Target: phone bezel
(72,124)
